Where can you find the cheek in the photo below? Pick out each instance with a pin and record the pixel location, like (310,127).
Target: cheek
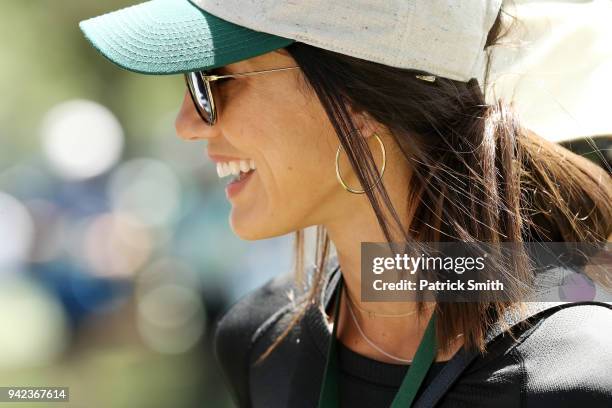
(299,170)
(308,142)
(294,146)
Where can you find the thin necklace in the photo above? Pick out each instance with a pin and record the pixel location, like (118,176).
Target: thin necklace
(370,342)
(370,313)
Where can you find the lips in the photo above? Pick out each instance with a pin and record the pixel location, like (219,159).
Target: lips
(238,182)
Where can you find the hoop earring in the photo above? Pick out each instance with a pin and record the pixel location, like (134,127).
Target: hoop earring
(382,170)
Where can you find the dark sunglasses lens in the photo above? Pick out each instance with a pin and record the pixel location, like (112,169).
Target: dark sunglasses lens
(199,95)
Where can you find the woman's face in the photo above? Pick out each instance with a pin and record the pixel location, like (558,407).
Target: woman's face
(274,120)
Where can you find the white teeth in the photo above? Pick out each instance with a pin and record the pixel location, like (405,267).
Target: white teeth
(244,166)
(234,167)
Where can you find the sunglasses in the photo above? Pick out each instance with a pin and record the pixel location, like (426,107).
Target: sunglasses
(199,84)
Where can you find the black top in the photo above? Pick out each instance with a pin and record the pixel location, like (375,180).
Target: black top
(563,360)
(369,383)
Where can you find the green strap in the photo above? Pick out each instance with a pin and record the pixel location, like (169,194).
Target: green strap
(329,397)
(424,357)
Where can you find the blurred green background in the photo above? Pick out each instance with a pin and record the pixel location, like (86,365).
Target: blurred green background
(114,233)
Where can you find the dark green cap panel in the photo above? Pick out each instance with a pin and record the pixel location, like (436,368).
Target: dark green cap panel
(162,37)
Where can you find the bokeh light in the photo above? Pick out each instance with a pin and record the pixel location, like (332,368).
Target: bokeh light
(146,188)
(42,334)
(116,245)
(555,66)
(49,224)
(171,318)
(16,232)
(81,139)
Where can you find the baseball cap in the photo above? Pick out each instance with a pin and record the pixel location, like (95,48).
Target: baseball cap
(445,38)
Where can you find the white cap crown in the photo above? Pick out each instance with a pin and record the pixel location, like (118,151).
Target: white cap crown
(442,37)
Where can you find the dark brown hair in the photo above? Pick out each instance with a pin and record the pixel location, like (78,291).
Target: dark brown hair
(477,175)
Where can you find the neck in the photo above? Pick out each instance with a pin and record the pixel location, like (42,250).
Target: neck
(398,335)
(347,230)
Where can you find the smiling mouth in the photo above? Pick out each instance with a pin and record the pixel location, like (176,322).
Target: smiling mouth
(239,169)
(238,182)
(241,176)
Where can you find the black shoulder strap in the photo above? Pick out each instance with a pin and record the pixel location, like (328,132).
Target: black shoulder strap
(462,359)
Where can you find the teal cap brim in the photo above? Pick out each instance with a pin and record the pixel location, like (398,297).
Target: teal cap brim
(162,37)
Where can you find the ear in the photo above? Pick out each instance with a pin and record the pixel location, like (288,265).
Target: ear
(365,123)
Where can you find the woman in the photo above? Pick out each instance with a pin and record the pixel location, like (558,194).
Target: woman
(368,120)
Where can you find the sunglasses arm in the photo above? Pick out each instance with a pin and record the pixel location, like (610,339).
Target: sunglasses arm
(211,78)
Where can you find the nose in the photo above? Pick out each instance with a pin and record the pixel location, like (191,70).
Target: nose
(188,123)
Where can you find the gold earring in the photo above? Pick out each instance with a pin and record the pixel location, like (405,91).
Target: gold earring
(382,170)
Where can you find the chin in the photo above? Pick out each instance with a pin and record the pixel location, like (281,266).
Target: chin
(256,228)
(247,229)
(248,234)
